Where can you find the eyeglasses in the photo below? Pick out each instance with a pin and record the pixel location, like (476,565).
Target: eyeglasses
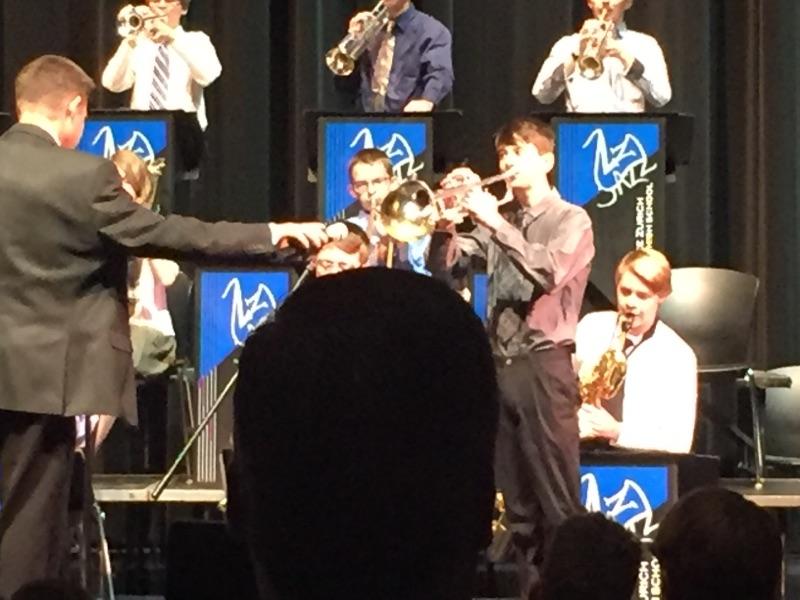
(330,264)
(365,185)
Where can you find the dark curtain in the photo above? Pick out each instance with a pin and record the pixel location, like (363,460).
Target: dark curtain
(733,65)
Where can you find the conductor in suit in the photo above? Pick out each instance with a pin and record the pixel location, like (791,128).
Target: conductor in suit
(66,230)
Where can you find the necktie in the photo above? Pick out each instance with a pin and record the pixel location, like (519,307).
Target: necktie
(383,67)
(158,94)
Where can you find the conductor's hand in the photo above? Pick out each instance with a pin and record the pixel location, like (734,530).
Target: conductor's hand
(337,231)
(358,22)
(308,235)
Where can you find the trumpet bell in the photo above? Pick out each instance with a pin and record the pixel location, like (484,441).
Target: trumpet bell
(339,62)
(590,67)
(408,212)
(129,21)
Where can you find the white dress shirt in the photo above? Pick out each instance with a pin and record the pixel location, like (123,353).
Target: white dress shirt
(659,402)
(150,295)
(615,90)
(193,65)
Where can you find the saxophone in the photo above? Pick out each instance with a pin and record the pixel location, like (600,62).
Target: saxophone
(606,379)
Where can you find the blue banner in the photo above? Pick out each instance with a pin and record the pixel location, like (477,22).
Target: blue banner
(480,295)
(631,495)
(605,159)
(614,167)
(145,137)
(407,142)
(232,304)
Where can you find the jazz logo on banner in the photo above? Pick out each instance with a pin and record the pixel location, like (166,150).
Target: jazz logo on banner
(619,167)
(398,148)
(247,312)
(233,304)
(628,495)
(145,137)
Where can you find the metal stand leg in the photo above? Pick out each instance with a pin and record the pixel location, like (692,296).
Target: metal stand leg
(105,556)
(758,432)
(164,482)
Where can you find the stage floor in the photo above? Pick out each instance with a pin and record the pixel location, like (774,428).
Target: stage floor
(775,493)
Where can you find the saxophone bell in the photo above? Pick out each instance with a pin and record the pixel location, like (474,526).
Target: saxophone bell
(606,378)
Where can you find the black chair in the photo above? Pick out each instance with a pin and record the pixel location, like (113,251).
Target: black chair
(713,310)
(782,419)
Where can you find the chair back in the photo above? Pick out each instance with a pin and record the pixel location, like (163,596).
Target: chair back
(782,416)
(181,310)
(712,309)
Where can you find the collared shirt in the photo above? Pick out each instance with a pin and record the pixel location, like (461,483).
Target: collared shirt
(615,90)
(193,65)
(659,395)
(538,264)
(422,67)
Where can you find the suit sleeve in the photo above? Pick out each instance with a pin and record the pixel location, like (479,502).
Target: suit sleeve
(141,232)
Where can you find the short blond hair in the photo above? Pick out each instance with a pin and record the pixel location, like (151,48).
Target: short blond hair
(650,266)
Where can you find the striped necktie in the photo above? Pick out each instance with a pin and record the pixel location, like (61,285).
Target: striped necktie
(383,68)
(158,94)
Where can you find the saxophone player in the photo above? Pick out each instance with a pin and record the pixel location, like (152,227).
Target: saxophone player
(656,406)
(606,67)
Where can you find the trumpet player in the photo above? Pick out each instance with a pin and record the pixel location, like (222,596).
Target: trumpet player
(655,408)
(407,67)
(606,67)
(167,66)
(537,250)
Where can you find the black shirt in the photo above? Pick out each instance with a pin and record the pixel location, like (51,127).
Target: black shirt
(538,265)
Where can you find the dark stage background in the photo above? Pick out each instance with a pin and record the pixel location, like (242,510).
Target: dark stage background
(734,65)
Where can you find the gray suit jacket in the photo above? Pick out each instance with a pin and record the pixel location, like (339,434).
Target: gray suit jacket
(66,229)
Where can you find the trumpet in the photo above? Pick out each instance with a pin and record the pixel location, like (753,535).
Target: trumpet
(413,209)
(342,58)
(131,19)
(590,59)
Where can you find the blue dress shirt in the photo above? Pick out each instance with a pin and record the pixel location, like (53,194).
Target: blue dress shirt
(422,67)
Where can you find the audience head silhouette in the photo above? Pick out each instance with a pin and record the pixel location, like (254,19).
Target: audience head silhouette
(591,557)
(716,545)
(365,418)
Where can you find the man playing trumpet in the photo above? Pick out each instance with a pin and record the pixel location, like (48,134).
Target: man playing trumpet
(606,67)
(166,66)
(409,66)
(655,408)
(537,252)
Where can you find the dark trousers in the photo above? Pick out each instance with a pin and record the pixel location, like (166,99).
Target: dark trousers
(36,453)
(537,454)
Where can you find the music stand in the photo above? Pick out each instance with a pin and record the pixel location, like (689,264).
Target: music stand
(712,310)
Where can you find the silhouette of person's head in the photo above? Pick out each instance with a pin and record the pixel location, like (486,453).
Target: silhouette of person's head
(591,557)
(365,417)
(716,545)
